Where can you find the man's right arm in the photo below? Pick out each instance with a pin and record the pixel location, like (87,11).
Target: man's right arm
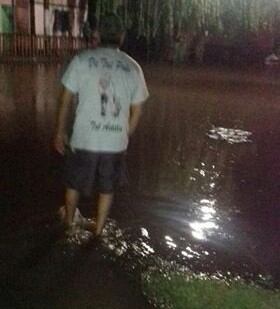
(61,138)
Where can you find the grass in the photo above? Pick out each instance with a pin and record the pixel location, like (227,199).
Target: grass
(178,292)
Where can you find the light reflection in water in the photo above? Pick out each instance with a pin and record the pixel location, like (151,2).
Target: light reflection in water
(232,136)
(138,252)
(170,242)
(186,254)
(148,248)
(144,232)
(168,238)
(203,229)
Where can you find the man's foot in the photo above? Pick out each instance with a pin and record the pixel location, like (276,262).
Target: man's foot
(89,225)
(79,222)
(77,219)
(72,230)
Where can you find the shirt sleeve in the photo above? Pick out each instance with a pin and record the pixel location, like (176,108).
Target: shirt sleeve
(70,78)
(140,93)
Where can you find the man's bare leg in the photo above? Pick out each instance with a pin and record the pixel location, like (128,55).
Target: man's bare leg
(103,207)
(71,201)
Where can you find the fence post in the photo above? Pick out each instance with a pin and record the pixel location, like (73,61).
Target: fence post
(30,46)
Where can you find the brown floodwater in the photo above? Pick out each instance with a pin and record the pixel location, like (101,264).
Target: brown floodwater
(203,190)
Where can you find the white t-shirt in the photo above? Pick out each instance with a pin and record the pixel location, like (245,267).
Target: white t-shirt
(107,82)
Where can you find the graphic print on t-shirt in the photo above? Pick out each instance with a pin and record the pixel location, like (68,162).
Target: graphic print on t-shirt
(109,102)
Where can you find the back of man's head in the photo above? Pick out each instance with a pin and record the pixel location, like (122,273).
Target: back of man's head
(111,30)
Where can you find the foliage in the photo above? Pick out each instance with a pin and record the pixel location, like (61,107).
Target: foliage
(228,18)
(178,292)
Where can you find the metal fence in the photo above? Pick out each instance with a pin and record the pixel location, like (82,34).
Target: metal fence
(29,46)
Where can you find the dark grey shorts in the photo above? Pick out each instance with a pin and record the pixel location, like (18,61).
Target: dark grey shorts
(85,171)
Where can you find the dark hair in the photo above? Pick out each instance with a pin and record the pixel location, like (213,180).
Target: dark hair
(111,29)
(112,40)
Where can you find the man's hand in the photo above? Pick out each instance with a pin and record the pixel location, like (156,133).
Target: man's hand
(60,141)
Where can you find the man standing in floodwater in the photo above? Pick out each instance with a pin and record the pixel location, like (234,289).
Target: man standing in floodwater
(111,89)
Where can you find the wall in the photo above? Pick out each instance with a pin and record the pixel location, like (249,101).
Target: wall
(58,17)
(22,16)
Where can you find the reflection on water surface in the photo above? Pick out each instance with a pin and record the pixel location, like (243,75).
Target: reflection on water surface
(232,136)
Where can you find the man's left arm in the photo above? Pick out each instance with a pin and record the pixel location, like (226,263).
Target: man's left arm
(135,115)
(140,95)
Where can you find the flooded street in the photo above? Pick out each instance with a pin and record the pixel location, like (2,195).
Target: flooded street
(203,189)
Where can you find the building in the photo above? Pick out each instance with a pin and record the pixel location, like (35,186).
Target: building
(43,17)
